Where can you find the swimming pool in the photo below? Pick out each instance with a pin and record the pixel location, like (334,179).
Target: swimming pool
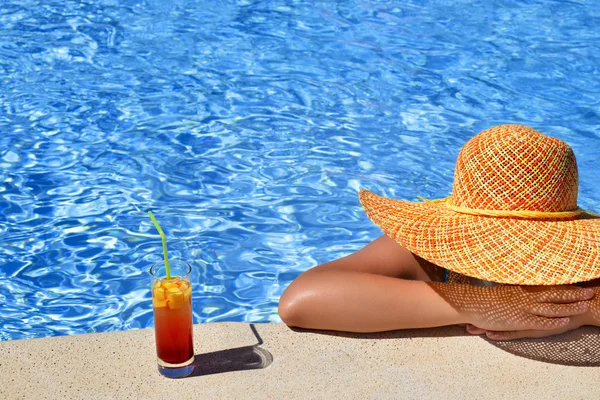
(248,127)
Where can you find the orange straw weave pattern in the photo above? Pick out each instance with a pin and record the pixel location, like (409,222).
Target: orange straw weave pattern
(514,167)
(511,168)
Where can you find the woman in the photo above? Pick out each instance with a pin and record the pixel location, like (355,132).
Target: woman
(512,219)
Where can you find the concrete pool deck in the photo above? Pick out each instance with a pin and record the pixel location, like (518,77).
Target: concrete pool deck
(271,361)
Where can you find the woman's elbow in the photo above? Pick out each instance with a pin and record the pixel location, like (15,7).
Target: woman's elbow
(288,311)
(291,309)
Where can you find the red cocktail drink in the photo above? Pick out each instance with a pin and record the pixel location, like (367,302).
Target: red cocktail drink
(172,301)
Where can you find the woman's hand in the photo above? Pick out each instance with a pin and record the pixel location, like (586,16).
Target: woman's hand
(574,323)
(592,317)
(589,317)
(526,308)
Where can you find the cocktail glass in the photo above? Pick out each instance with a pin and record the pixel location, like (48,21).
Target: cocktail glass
(172,302)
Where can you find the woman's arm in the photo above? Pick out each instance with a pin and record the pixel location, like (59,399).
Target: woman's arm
(356,293)
(384,287)
(361,302)
(384,256)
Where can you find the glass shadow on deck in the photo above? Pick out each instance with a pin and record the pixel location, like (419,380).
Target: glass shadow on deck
(236,359)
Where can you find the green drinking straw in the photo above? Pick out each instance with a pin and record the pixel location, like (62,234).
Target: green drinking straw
(164,243)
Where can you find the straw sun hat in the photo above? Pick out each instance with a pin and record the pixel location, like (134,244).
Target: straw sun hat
(512,217)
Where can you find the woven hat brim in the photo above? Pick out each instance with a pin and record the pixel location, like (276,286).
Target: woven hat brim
(503,250)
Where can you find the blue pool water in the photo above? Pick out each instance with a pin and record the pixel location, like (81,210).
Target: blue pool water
(248,128)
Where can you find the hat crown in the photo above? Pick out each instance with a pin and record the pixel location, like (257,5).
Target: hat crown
(515,167)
